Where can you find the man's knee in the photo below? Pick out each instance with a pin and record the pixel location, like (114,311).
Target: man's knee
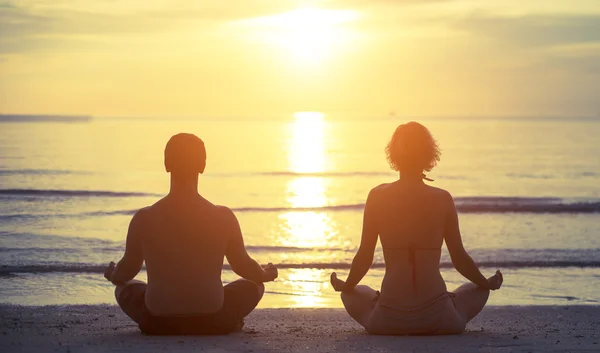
(119,288)
(261,289)
(485,294)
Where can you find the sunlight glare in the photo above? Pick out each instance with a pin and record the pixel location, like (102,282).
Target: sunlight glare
(308,35)
(307,149)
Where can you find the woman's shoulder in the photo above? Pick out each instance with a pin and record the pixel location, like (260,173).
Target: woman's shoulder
(439,191)
(380,188)
(441,195)
(377,192)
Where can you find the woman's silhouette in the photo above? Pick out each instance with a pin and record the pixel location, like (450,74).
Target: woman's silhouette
(412,220)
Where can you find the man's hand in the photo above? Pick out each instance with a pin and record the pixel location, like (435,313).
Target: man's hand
(495,282)
(270,273)
(337,284)
(109,271)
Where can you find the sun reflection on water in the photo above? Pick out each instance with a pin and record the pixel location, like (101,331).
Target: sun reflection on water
(307,286)
(307,156)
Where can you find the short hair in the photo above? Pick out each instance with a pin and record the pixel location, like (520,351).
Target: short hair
(412,148)
(185,153)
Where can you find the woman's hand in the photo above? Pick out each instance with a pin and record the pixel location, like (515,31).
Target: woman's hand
(337,284)
(108,272)
(270,273)
(495,282)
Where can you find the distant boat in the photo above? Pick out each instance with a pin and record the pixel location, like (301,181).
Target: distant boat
(22,118)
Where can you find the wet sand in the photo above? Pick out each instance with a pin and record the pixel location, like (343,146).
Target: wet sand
(103,328)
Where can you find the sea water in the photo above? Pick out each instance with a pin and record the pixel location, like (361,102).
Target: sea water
(526,191)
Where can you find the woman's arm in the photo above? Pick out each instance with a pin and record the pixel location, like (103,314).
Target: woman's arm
(364,257)
(463,263)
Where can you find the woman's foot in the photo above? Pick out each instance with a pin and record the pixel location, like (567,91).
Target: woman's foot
(337,284)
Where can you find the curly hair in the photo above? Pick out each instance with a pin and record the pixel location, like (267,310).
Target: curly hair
(412,149)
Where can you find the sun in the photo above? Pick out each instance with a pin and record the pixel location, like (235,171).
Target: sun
(308,35)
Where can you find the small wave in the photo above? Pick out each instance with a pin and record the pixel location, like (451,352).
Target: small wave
(330,174)
(326,174)
(39,172)
(22,118)
(529,176)
(69,193)
(286,173)
(565,297)
(352,207)
(258,248)
(524,205)
(121,247)
(58,251)
(7,270)
(463,205)
(9,217)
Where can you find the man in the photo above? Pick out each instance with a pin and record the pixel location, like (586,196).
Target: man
(183,238)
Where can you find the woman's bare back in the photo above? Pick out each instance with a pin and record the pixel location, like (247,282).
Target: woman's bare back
(410,221)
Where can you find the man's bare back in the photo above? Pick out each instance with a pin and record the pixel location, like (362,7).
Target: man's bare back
(184,242)
(184,238)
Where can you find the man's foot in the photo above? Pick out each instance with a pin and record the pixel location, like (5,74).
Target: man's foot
(495,282)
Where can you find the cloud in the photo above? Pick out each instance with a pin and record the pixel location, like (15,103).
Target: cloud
(535,30)
(42,25)
(26,30)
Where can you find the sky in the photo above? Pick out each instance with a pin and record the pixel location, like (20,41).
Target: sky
(190,58)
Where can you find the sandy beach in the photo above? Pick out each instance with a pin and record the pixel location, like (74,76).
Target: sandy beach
(101,328)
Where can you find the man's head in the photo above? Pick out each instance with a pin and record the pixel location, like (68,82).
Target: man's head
(185,155)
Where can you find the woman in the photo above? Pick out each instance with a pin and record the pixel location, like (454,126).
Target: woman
(412,220)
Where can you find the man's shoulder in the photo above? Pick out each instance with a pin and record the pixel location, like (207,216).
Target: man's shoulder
(223,211)
(381,187)
(202,205)
(142,213)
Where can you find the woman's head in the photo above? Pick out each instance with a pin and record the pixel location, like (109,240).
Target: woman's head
(412,149)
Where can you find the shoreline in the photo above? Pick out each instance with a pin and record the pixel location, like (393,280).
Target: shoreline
(310,288)
(100,328)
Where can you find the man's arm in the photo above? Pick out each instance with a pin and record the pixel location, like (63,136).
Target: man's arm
(241,263)
(131,263)
(364,257)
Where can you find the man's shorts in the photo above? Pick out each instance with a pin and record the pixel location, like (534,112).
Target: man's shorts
(240,298)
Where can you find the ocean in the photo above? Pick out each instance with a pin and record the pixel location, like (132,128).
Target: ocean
(526,190)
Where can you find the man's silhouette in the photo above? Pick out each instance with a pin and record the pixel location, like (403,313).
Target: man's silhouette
(183,238)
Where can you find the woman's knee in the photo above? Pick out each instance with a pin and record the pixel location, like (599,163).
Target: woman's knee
(466,287)
(472,289)
(358,296)
(470,299)
(348,296)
